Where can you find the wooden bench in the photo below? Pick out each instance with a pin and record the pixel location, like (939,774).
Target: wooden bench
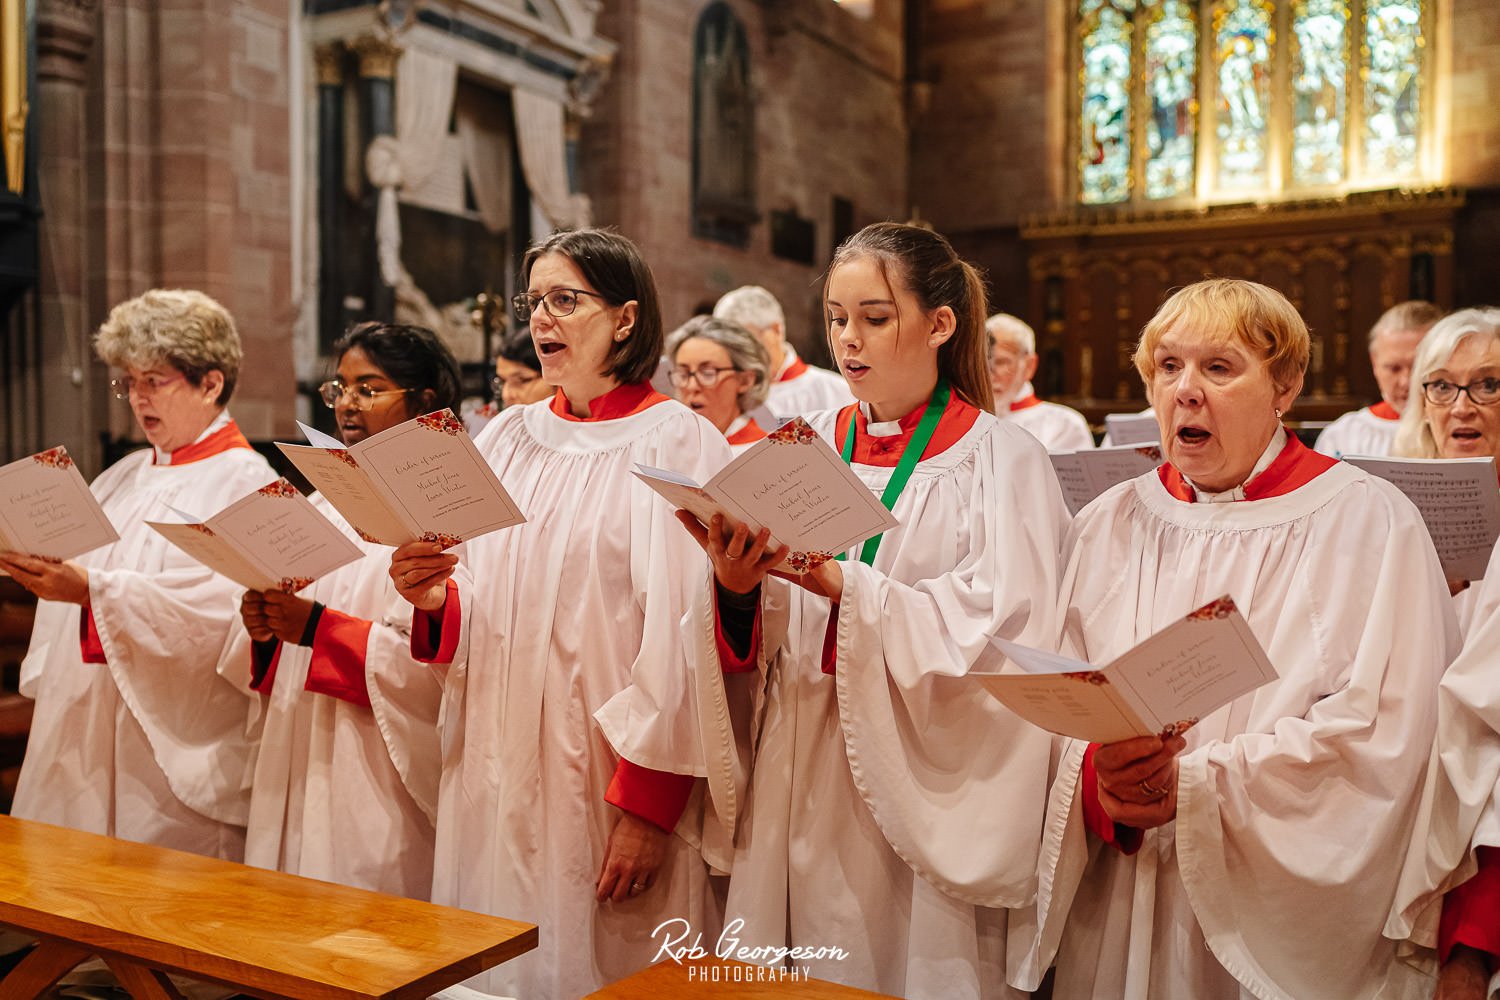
(722,979)
(147,911)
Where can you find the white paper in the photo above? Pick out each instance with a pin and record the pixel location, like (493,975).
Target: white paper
(1083,475)
(420,480)
(1165,684)
(47,510)
(1458,499)
(271,539)
(791,482)
(1132,428)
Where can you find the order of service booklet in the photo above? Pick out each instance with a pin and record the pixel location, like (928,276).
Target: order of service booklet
(1162,686)
(47,510)
(1083,475)
(422,480)
(271,539)
(1458,499)
(791,482)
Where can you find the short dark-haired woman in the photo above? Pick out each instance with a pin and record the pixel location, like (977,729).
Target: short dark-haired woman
(344,787)
(573,601)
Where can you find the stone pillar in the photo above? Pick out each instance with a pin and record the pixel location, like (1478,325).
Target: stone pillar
(73,403)
(377,77)
(330,62)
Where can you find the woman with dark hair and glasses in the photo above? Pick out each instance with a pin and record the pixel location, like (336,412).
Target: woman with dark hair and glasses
(344,785)
(518,373)
(722,373)
(532,818)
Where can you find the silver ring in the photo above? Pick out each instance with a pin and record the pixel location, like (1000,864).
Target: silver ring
(637,887)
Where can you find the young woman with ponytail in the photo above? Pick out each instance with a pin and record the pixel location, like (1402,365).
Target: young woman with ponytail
(877,811)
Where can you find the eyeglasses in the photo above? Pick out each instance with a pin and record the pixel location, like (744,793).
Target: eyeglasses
(144,387)
(364,397)
(707,375)
(498,384)
(559,302)
(1481,392)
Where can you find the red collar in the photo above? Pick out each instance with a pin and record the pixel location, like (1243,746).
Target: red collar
(1294,468)
(748,434)
(1385,411)
(621,401)
(796,369)
(226,438)
(886,451)
(1025,404)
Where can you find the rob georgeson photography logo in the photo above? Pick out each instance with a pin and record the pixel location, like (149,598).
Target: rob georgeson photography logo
(768,963)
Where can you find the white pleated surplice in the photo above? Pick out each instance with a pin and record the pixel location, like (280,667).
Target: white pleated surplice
(1293,801)
(566,609)
(1461,803)
(1058,428)
(893,809)
(151,746)
(341,792)
(1359,432)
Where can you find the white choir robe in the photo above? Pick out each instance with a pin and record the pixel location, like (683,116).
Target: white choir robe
(566,609)
(152,745)
(1293,800)
(340,791)
(800,389)
(1057,427)
(1461,803)
(857,823)
(1370,431)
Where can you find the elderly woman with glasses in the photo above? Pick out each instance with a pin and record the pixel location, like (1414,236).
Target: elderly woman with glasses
(343,787)
(135,734)
(537,812)
(722,373)
(1256,853)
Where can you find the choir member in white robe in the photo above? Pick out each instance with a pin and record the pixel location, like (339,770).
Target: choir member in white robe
(135,733)
(344,782)
(721,372)
(1393,345)
(1453,412)
(797,388)
(850,829)
(568,607)
(1013,361)
(1254,857)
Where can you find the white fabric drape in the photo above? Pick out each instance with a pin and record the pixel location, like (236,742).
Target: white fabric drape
(544,159)
(486,156)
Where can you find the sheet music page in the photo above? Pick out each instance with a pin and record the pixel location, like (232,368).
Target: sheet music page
(1458,499)
(47,510)
(1132,428)
(1084,475)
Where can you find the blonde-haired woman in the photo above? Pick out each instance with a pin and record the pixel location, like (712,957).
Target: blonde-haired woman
(722,373)
(1452,411)
(135,733)
(1252,856)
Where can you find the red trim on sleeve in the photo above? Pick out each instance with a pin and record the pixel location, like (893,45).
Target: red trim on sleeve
(731,662)
(434,634)
(831,642)
(1125,839)
(658,797)
(338,658)
(1471,912)
(263,669)
(89,645)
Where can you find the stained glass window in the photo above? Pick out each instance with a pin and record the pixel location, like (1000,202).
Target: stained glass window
(1104,159)
(1172,95)
(1211,99)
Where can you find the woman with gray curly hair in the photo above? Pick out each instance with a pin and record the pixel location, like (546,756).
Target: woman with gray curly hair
(136,734)
(722,373)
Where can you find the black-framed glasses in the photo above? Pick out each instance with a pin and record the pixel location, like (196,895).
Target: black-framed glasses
(559,302)
(1481,392)
(706,375)
(364,397)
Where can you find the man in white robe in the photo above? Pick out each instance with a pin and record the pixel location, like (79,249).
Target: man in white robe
(1393,346)
(797,388)
(1013,361)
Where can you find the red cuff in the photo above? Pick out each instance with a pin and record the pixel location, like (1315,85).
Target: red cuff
(831,641)
(338,658)
(88,638)
(264,659)
(731,662)
(656,796)
(1125,839)
(1471,912)
(434,634)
